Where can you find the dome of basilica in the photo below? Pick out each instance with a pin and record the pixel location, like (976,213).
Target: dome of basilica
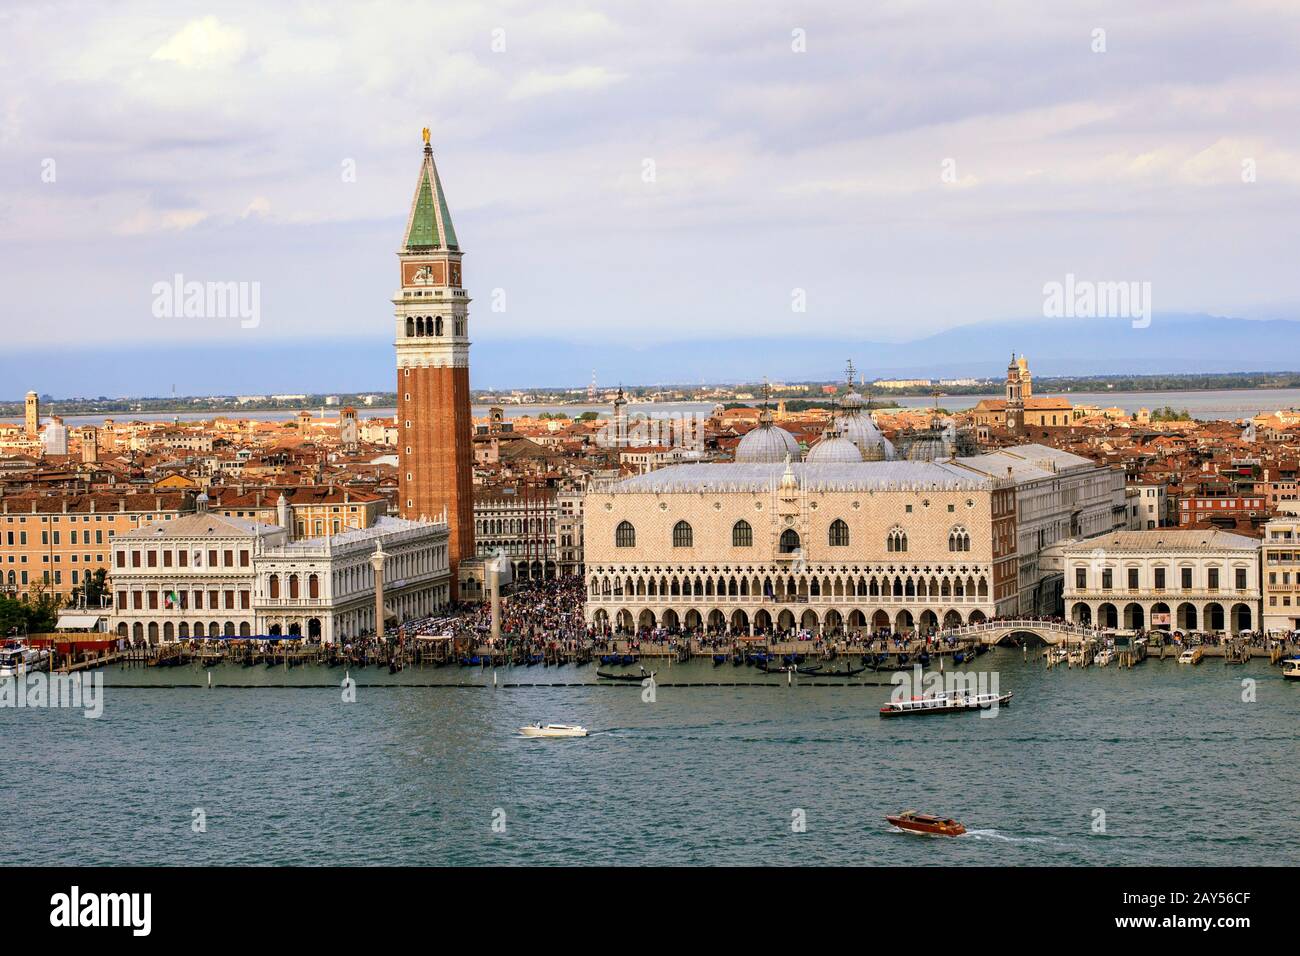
(766,444)
(856,425)
(833,449)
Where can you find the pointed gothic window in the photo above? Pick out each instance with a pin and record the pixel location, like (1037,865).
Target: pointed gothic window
(742,535)
(625,535)
(683,537)
(789,541)
(839,534)
(958,539)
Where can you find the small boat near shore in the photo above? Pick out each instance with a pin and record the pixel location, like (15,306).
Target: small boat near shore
(1192,655)
(553,730)
(643,675)
(842,672)
(944,704)
(913,822)
(17,659)
(1291,668)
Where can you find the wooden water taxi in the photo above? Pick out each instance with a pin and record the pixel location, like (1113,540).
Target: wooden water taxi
(1291,668)
(914,822)
(1192,655)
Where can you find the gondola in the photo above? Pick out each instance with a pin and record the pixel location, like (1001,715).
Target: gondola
(847,672)
(808,669)
(719,660)
(626,677)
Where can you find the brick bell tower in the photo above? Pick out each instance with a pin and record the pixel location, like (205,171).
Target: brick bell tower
(433,410)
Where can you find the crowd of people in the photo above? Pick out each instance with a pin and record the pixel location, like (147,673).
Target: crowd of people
(540,617)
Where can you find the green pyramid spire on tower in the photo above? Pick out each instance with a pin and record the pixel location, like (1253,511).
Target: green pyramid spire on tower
(429,225)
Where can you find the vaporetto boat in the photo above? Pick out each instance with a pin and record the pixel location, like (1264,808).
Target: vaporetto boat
(944,704)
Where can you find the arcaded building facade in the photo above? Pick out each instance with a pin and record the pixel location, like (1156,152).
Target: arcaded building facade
(1171,579)
(827,548)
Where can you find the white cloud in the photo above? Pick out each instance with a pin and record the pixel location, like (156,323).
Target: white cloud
(226,136)
(149,221)
(206,43)
(260,206)
(579,79)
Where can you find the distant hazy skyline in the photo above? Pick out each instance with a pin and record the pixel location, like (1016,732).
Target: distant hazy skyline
(278,144)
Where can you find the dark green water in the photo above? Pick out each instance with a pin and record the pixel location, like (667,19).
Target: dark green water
(1185,771)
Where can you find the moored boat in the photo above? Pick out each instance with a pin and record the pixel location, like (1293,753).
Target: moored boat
(642,675)
(16,659)
(1192,655)
(944,704)
(1291,668)
(847,671)
(914,822)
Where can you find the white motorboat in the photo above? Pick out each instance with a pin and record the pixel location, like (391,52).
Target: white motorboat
(553,730)
(1104,656)
(1192,655)
(1291,668)
(17,659)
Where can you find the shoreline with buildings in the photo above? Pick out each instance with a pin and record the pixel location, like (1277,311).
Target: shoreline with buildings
(777,515)
(1207,405)
(525,401)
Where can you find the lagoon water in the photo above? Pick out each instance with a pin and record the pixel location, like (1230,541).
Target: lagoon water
(1221,404)
(1185,772)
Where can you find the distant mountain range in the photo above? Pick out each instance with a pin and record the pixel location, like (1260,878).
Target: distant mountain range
(1171,344)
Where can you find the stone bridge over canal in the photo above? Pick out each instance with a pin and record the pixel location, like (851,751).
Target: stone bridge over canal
(998,632)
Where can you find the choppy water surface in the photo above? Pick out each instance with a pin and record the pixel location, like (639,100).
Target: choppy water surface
(1185,771)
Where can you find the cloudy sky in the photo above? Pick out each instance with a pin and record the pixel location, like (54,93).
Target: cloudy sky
(645,171)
